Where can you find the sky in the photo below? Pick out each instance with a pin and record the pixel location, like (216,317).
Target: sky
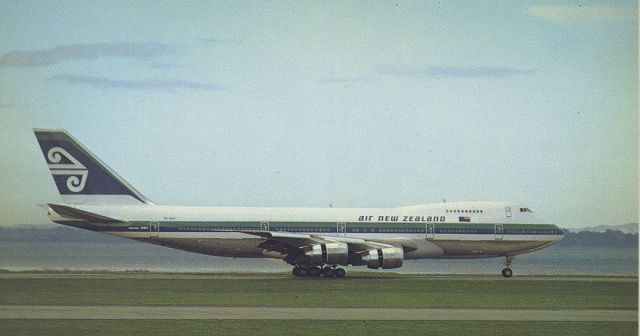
(353,104)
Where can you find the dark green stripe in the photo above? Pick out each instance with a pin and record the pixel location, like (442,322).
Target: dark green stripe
(355,225)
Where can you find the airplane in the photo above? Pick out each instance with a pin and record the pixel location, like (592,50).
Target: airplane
(315,241)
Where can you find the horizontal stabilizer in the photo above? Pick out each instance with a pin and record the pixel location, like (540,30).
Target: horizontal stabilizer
(72,212)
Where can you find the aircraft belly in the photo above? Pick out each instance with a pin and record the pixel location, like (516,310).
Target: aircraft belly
(223,247)
(487,248)
(425,249)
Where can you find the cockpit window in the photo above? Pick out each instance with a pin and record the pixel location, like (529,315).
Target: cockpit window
(525,210)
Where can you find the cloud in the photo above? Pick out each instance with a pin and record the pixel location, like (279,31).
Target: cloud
(580,13)
(143,84)
(458,72)
(61,53)
(432,71)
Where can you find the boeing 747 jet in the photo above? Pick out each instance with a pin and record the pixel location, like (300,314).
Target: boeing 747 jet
(315,241)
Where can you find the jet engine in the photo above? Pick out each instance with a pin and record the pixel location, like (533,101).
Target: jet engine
(329,253)
(388,257)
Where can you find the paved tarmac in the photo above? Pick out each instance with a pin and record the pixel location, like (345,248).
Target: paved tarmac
(272,313)
(257,276)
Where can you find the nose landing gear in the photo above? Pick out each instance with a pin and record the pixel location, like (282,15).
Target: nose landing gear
(507,272)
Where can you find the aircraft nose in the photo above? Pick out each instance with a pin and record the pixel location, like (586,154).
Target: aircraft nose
(559,232)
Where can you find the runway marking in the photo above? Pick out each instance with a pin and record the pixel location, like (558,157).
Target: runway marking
(272,313)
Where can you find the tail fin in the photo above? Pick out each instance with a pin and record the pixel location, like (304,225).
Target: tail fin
(80,176)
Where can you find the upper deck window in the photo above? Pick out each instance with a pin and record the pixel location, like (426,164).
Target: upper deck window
(470,210)
(525,210)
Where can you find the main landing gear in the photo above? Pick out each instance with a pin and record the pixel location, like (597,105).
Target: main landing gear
(507,272)
(315,271)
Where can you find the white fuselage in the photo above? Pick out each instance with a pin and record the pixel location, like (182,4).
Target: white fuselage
(440,230)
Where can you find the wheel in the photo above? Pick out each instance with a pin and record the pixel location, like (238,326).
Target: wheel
(328,272)
(340,272)
(507,272)
(299,271)
(315,271)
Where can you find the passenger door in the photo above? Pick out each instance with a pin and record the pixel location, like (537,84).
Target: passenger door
(507,211)
(341,229)
(430,231)
(264,226)
(154,229)
(499,231)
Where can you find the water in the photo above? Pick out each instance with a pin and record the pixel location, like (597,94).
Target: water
(122,255)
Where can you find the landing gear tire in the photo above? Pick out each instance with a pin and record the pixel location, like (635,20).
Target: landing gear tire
(328,272)
(300,271)
(507,272)
(340,272)
(315,271)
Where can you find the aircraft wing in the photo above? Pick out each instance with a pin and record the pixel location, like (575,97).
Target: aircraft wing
(293,240)
(293,243)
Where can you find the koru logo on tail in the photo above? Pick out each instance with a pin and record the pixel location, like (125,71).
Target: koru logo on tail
(76,171)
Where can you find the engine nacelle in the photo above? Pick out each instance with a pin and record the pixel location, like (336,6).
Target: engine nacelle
(329,253)
(388,257)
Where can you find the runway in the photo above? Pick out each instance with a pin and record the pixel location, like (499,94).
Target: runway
(272,313)
(288,277)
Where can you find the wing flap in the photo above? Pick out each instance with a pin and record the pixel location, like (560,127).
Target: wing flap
(356,245)
(294,240)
